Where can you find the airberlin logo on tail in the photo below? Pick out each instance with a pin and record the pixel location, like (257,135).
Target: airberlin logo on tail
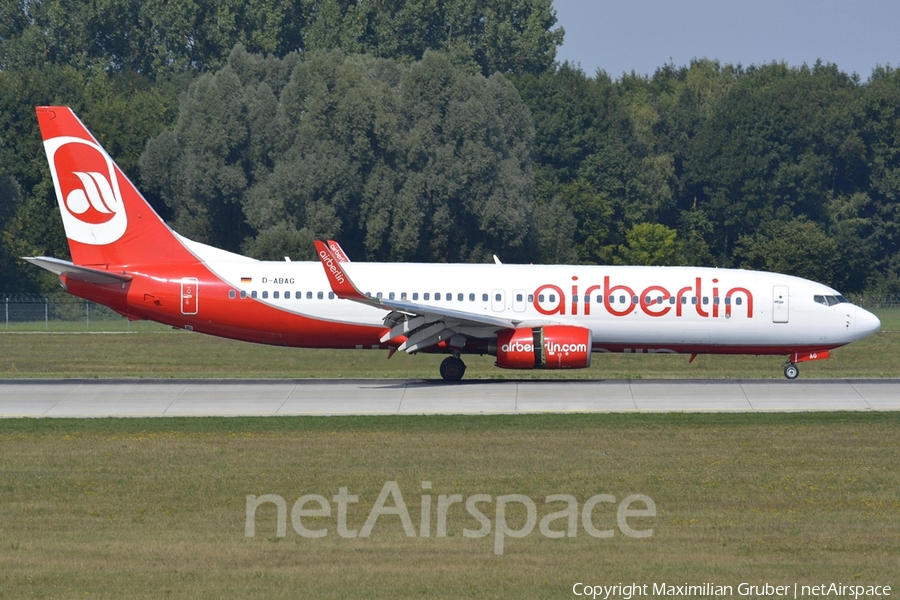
(87,189)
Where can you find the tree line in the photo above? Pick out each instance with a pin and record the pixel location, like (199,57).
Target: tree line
(447,131)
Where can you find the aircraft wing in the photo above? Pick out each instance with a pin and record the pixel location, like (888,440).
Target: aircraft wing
(73,271)
(422,325)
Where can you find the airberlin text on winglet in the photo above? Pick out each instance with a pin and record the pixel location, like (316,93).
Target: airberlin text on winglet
(330,264)
(654,300)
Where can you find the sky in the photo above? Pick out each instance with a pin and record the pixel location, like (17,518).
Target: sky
(620,36)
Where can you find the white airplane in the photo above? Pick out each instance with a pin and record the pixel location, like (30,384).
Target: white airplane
(528,316)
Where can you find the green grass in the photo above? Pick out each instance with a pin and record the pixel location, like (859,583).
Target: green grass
(94,326)
(890,318)
(180,354)
(155,508)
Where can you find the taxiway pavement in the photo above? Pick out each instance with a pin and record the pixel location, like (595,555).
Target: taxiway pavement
(279,397)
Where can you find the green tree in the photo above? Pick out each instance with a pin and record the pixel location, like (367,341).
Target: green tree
(797,247)
(650,244)
(418,162)
(592,212)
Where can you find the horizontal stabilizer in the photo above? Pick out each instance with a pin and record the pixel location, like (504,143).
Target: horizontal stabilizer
(73,271)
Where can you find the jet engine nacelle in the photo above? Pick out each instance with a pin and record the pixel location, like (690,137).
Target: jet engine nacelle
(548,347)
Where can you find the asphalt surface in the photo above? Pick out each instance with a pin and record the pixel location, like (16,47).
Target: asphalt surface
(270,397)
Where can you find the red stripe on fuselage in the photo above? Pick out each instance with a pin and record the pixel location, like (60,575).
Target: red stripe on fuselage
(156,296)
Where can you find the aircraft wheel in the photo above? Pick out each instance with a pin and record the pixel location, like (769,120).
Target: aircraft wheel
(791,371)
(452,369)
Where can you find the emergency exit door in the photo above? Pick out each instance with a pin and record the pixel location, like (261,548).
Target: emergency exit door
(780,304)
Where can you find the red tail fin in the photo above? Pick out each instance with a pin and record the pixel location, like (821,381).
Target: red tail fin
(106,219)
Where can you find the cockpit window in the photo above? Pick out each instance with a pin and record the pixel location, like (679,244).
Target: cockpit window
(829,300)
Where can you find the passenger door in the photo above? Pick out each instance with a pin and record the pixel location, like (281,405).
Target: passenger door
(780,304)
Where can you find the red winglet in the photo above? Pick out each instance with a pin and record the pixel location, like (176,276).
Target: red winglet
(339,280)
(338,252)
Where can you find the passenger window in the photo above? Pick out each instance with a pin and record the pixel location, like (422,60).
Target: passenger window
(519,298)
(275,295)
(634,300)
(727,301)
(540,297)
(484,297)
(552,297)
(716,300)
(309,295)
(426,296)
(231,294)
(705,300)
(331,295)
(437,295)
(599,299)
(243,294)
(265,295)
(647,300)
(460,297)
(531,297)
(738,300)
(298,295)
(684,299)
(391,296)
(498,297)
(403,295)
(415,295)
(287,295)
(449,297)
(694,300)
(320,295)
(253,294)
(471,297)
(671,299)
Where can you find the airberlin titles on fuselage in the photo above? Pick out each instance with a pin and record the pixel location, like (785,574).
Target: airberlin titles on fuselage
(619,300)
(653,300)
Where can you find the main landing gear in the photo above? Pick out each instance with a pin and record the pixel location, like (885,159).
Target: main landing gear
(453,368)
(791,371)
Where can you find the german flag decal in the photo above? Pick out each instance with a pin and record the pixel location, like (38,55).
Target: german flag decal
(246,280)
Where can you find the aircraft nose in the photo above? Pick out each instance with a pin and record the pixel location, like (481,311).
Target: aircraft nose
(866,323)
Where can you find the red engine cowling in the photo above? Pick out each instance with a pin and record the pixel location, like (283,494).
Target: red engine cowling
(549,347)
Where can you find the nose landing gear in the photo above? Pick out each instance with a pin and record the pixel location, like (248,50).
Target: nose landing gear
(791,371)
(790,367)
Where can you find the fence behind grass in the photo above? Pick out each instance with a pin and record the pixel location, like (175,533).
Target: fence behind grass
(34,312)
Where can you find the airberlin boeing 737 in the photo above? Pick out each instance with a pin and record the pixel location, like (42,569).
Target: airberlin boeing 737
(528,316)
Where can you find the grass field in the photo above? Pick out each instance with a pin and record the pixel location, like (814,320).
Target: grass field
(156,508)
(158,352)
